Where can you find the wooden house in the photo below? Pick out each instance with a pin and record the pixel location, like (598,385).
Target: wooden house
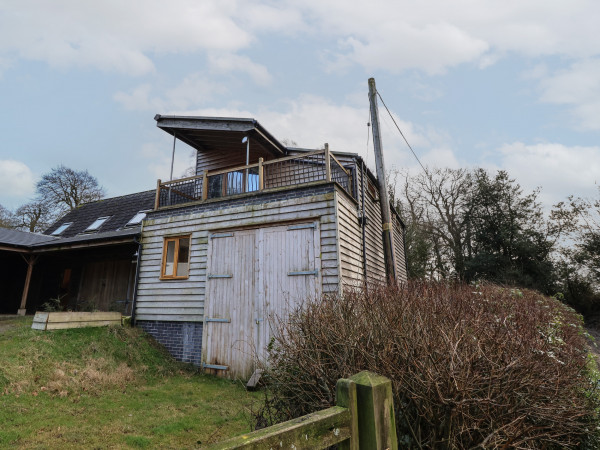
(87,259)
(257,230)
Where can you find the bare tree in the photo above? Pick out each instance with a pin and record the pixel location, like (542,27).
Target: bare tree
(65,189)
(35,216)
(438,202)
(7,219)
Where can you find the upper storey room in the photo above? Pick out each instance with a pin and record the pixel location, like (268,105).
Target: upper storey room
(237,156)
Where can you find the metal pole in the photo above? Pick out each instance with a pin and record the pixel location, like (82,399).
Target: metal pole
(247,162)
(384,200)
(172,162)
(173,156)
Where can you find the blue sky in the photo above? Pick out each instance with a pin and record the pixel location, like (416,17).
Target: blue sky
(498,84)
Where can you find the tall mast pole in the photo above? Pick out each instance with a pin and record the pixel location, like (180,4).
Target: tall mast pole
(384,199)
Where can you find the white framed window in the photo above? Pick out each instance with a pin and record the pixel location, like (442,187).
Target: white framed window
(62,228)
(137,219)
(97,223)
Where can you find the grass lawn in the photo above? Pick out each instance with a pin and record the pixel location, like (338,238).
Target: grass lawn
(108,388)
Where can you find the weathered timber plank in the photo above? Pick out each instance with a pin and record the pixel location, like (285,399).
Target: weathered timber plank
(82,324)
(84,316)
(313,431)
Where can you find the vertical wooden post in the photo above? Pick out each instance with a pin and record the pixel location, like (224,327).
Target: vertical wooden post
(157,198)
(261,180)
(386,216)
(30,262)
(205,185)
(345,396)
(376,421)
(327,163)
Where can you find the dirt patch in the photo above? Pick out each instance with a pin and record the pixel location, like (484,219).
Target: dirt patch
(7,322)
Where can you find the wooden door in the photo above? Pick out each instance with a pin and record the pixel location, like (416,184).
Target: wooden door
(229,333)
(289,275)
(254,278)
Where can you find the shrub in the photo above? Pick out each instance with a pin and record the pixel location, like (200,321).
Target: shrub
(470,365)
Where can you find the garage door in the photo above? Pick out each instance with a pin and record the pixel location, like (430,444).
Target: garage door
(254,277)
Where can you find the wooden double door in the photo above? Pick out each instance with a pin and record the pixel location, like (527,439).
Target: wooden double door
(254,278)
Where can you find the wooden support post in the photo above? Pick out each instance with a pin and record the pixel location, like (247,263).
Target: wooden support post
(261,179)
(327,163)
(386,216)
(205,185)
(345,397)
(157,198)
(30,262)
(376,421)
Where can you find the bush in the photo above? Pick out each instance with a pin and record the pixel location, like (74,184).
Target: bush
(470,365)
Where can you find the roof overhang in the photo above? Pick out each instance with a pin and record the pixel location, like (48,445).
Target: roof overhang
(219,133)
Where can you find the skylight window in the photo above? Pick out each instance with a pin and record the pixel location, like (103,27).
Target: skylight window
(137,219)
(97,223)
(62,228)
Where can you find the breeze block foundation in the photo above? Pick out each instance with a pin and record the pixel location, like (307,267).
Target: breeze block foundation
(183,340)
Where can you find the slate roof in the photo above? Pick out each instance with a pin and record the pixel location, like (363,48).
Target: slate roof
(23,239)
(120,209)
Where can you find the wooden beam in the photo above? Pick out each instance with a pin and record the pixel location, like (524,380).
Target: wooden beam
(30,262)
(157,198)
(317,430)
(261,177)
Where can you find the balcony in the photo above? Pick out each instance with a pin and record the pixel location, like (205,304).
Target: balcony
(291,171)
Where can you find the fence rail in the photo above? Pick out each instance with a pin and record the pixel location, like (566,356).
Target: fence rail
(363,418)
(319,165)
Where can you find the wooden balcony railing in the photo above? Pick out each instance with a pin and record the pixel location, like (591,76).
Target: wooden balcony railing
(319,165)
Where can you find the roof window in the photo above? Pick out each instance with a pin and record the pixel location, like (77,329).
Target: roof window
(97,223)
(137,219)
(62,228)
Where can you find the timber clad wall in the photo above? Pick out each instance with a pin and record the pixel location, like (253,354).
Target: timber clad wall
(183,340)
(350,241)
(183,300)
(217,160)
(401,274)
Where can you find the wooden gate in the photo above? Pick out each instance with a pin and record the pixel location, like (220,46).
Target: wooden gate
(254,277)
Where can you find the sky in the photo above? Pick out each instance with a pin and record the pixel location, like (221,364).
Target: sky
(507,84)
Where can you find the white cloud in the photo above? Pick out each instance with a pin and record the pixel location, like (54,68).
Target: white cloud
(394,35)
(433,35)
(577,87)
(16,181)
(158,156)
(194,90)
(114,35)
(229,63)
(558,169)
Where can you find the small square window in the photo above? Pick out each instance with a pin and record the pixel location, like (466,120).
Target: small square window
(97,223)
(62,228)
(176,258)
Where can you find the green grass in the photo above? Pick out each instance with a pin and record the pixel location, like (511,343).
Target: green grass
(108,388)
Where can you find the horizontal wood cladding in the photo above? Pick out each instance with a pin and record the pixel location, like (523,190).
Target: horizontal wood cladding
(183,300)
(350,242)
(401,274)
(217,159)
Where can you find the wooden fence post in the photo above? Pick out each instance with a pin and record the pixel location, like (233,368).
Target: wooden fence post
(376,421)
(345,396)
(205,185)
(157,198)
(261,180)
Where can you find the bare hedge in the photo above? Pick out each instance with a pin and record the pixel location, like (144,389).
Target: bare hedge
(471,366)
